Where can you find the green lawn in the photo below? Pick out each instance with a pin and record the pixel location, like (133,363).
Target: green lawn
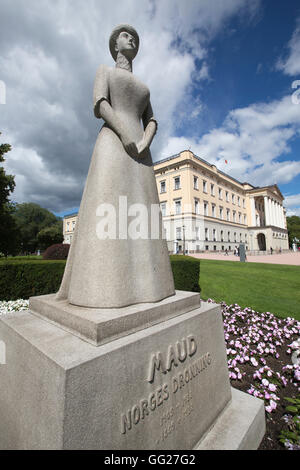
(263,287)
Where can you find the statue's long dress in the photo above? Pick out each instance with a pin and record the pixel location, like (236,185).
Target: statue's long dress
(107,273)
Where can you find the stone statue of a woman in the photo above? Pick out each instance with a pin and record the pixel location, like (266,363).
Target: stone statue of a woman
(118,271)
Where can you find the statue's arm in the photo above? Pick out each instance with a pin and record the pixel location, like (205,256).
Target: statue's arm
(150,129)
(103,110)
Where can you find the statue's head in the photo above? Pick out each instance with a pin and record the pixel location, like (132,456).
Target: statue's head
(124,39)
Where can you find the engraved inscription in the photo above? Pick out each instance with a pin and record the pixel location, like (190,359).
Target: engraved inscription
(143,408)
(174,416)
(176,390)
(175,355)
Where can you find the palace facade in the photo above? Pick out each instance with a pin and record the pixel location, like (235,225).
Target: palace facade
(205,209)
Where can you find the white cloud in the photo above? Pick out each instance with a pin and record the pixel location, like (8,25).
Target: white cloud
(251,139)
(291,64)
(50,53)
(292,203)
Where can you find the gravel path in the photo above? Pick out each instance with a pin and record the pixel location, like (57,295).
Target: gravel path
(291,258)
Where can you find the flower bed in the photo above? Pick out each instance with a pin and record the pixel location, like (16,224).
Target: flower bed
(259,350)
(259,347)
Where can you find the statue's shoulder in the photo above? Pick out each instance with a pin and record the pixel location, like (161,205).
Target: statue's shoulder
(104,70)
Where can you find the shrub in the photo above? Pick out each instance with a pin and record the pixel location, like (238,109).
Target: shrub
(186,272)
(57,251)
(23,279)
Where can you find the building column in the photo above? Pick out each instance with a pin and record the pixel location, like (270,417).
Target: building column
(267,210)
(252,208)
(277,214)
(282,216)
(273,212)
(270,211)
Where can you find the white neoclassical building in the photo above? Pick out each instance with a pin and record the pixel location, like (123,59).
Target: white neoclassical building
(205,209)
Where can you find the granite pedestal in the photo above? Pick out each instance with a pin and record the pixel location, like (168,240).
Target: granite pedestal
(163,386)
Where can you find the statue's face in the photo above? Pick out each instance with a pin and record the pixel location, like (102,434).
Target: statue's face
(126,44)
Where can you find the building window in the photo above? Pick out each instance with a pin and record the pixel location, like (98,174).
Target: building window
(222,235)
(206,234)
(227,196)
(205,186)
(162,187)
(177,182)
(228,215)
(212,189)
(163,208)
(244,204)
(221,212)
(220,193)
(206,247)
(213,210)
(214,235)
(240,218)
(68,226)
(195,182)
(196,206)
(233,216)
(234,237)
(245,219)
(178,233)
(239,201)
(233,199)
(177,207)
(229,236)
(205,206)
(215,248)
(197,233)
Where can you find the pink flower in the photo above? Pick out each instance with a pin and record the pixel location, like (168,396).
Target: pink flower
(272,388)
(254,362)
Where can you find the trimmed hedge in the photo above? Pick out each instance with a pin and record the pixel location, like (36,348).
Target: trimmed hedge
(186,272)
(21,280)
(57,252)
(24,279)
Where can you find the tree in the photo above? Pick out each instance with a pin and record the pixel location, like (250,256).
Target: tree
(50,236)
(293,226)
(32,219)
(9,239)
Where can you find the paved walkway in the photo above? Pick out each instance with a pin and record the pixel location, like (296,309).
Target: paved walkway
(283,258)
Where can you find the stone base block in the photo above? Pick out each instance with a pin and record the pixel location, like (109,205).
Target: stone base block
(164,387)
(100,325)
(241,426)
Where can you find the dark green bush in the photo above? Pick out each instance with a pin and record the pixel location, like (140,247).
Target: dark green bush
(24,279)
(21,280)
(186,272)
(58,251)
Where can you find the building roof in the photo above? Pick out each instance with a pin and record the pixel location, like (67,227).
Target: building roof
(200,160)
(252,188)
(70,215)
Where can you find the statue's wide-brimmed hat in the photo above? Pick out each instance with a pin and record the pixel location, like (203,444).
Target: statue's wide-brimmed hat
(115,34)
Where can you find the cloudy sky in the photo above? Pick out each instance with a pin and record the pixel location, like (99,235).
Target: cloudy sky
(221,75)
